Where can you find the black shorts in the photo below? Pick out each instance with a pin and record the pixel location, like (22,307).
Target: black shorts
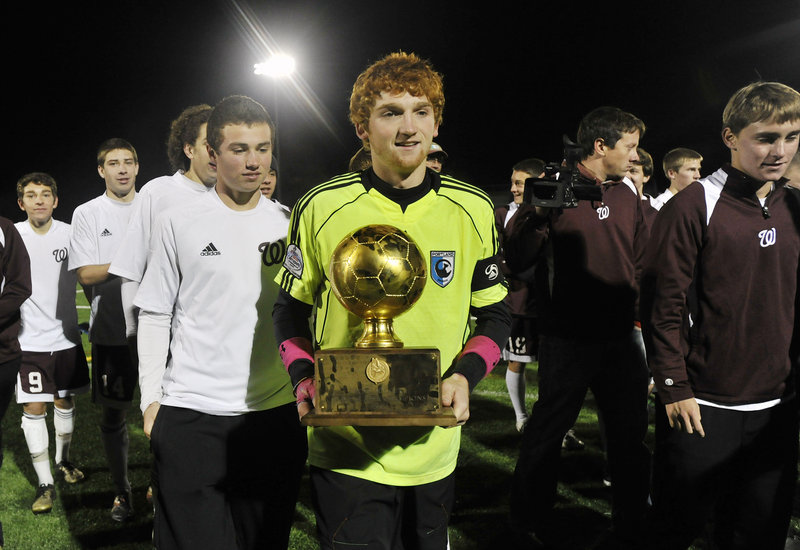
(523,342)
(354,512)
(48,375)
(226,481)
(115,376)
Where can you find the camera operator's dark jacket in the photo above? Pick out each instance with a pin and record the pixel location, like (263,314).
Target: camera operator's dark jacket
(591,259)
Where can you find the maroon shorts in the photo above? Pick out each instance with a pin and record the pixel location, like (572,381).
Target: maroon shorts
(48,375)
(523,342)
(115,376)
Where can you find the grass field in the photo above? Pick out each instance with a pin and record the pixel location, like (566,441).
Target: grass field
(80,518)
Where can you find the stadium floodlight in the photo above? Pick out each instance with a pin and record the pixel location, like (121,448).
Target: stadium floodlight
(278,66)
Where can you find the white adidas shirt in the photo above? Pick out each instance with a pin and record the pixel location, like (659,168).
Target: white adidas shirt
(98,227)
(155,197)
(49,316)
(212,269)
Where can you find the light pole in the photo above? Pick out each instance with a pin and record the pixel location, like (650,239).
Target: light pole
(277,67)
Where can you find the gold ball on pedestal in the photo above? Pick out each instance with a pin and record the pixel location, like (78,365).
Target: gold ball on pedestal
(377,272)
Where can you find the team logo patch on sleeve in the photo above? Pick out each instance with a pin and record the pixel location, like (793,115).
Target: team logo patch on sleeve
(443,265)
(487,273)
(294,261)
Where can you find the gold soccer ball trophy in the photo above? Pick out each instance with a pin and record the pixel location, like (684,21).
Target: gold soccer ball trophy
(377,273)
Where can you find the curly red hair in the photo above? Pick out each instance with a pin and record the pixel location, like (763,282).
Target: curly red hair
(396,73)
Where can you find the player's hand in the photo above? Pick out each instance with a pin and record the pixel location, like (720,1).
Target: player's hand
(455,393)
(685,415)
(306,393)
(149,415)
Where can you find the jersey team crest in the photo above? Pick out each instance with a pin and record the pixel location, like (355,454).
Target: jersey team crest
(443,265)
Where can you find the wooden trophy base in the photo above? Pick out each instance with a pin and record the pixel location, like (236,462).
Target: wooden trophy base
(379,387)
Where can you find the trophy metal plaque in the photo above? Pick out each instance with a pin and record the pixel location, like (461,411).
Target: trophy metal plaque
(377,273)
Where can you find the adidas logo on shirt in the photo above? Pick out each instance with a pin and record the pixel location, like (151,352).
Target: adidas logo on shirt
(105,233)
(210,250)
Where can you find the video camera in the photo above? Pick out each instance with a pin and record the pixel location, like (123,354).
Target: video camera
(562,185)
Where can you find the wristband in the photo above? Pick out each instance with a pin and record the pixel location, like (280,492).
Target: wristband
(484,347)
(296,348)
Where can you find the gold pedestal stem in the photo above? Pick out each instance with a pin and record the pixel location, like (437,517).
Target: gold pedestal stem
(378,333)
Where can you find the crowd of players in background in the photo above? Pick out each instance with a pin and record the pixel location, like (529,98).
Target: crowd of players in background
(170,287)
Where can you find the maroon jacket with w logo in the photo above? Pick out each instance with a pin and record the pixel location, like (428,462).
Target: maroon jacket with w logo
(741,259)
(589,259)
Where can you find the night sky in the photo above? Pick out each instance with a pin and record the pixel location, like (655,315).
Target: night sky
(516,78)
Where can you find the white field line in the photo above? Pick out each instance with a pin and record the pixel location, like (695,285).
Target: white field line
(80,291)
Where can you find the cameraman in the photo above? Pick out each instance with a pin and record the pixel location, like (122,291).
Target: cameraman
(589,312)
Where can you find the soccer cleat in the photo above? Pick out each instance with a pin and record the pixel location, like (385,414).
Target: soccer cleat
(571,441)
(70,472)
(43,503)
(122,508)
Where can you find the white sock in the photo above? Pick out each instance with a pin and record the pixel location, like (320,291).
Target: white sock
(64,424)
(515,382)
(34,427)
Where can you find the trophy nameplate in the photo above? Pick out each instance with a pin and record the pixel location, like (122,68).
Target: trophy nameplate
(377,273)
